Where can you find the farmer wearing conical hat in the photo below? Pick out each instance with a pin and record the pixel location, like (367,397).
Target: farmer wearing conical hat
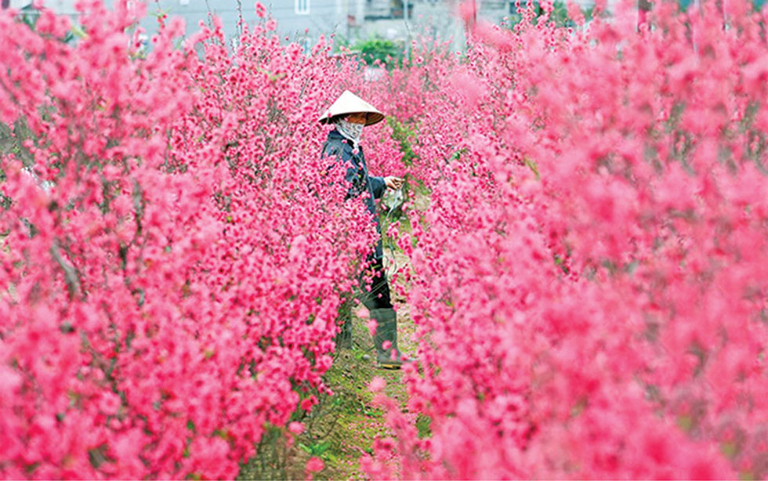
(349,114)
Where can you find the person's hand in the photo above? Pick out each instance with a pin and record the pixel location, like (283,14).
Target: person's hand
(393,182)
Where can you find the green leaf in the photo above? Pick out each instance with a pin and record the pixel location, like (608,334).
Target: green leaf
(78,32)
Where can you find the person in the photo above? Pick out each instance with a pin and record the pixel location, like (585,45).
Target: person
(349,114)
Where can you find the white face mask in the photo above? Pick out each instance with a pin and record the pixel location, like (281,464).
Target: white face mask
(349,130)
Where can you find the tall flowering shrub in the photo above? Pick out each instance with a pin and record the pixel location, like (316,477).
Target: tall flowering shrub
(588,279)
(174,250)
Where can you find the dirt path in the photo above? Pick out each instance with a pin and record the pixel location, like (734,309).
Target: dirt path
(343,427)
(360,422)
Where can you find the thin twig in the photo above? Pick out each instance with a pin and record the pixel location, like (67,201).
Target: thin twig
(210,14)
(240,21)
(70,273)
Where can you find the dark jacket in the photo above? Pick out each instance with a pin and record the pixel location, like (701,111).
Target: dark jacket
(357,176)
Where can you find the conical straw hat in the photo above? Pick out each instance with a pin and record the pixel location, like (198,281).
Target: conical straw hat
(349,103)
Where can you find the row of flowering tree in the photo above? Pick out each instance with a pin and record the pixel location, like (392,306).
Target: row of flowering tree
(174,251)
(589,279)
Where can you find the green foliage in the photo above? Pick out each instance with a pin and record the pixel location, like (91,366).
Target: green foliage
(317,448)
(405,135)
(424,426)
(533,166)
(559,13)
(378,50)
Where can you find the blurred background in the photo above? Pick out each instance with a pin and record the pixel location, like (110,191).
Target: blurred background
(375,24)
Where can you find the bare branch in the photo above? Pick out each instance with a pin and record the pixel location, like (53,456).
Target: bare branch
(70,273)
(240,21)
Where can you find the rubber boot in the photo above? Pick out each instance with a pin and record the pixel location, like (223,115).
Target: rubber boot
(386,330)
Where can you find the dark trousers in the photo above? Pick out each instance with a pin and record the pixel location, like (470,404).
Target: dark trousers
(376,295)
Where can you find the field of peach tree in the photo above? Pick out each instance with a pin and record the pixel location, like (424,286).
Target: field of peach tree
(586,242)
